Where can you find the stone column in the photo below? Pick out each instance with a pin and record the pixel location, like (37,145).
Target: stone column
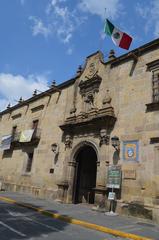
(100,191)
(71,173)
(63,185)
(102,166)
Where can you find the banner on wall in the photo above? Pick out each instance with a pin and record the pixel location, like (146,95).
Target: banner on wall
(26,135)
(6,142)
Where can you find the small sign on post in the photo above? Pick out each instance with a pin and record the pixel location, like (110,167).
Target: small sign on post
(111,196)
(114,182)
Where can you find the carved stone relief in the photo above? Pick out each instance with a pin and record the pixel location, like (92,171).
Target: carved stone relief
(88,90)
(89,101)
(107,100)
(68,141)
(91,70)
(104,138)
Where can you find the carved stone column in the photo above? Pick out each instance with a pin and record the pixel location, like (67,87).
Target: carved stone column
(71,172)
(102,167)
(63,185)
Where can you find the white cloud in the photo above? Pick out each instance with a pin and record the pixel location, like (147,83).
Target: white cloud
(102,35)
(142,11)
(155,16)
(69,51)
(150,14)
(53,3)
(61,21)
(102,8)
(3,103)
(64,20)
(39,27)
(15,86)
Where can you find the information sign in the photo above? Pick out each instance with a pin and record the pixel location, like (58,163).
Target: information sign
(114,177)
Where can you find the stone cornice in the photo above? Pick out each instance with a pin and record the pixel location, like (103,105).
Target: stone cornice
(101,117)
(38,96)
(134,53)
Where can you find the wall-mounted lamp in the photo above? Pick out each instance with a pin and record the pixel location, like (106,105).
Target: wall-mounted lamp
(54,147)
(116,143)
(55,150)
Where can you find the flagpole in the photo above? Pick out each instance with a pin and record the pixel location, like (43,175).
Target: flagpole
(101,39)
(101,42)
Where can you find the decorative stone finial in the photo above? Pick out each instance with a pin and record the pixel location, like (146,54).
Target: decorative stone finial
(8,106)
(35,93)
(79,70)
(112,54)
(53,84)
(20,100)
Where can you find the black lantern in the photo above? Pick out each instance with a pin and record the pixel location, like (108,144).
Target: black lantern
(115,143)
(54,147)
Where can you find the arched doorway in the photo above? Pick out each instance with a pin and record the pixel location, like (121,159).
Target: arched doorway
(85,175)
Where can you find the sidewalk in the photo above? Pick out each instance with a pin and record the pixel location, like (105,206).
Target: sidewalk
(84,213)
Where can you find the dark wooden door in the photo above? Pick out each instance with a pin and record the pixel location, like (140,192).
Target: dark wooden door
(85,176)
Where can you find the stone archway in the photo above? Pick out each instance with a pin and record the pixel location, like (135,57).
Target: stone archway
(85,174)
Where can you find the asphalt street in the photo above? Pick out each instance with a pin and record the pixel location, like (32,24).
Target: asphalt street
(21,223)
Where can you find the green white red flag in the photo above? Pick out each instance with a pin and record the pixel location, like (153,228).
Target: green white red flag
(119,38)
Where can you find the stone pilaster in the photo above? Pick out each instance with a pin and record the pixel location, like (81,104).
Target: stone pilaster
(71,173)
(102,168)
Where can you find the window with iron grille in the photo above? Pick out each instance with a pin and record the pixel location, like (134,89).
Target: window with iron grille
(155,87)
(153,67)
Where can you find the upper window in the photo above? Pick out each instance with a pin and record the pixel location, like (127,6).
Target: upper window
(155,87)
(154,68)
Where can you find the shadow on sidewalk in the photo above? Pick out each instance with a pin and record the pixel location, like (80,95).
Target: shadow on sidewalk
(17,222)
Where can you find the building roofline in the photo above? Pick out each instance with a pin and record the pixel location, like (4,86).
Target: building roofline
(130,55)
(40,95)
(134,53)
(93,54)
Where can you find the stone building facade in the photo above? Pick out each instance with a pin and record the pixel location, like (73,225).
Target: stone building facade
(104,119)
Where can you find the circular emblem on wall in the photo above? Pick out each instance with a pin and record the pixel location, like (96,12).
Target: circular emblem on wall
(130,152)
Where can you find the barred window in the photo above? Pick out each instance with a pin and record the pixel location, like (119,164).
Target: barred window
(153,67)
(155,87)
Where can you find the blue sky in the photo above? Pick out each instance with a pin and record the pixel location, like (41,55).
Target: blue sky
(45,40)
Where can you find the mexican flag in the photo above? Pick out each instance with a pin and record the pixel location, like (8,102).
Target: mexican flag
(120,38)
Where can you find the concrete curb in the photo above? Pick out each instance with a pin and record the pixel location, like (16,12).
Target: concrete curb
(76,221)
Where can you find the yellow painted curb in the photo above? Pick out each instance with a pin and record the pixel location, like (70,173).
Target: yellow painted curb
(76,221)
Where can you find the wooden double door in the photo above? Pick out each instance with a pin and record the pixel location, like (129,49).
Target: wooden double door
(85,175)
